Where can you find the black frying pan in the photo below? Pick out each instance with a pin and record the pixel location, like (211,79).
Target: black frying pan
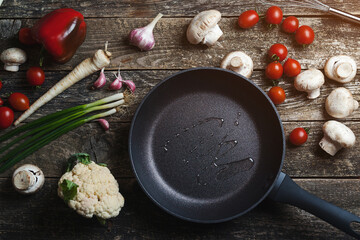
(207,145)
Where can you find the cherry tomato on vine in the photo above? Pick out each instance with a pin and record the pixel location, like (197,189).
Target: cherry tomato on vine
(274,15)
(290,24)
(19,101)
(298,136)
(248,19)
(292,68)
(6,117)
(278,52)
(304,35)
(35,76)
(274,70)
(25,36)
(277,95)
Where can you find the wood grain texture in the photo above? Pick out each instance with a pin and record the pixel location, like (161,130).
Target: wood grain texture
(173,51)
(44,216)
(149,8)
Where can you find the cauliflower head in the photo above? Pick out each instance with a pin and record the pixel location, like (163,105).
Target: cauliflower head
(96,191)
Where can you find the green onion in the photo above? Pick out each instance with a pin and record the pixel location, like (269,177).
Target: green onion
(46,129)
(56,115)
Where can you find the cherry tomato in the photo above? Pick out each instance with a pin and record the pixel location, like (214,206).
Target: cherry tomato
(35,76)
(1,102)
(292,68)
(25,36)
(278,52)
(290,24)
(6,117)
(277,95)
(298,136)
(19,101)
(274,71)
(248,19)
(274,15)
(304,35)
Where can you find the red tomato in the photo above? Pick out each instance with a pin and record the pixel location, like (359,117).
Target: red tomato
(277,95)
(25,36)
(278,52)
(292,68)
(304,35)
(290,24)
(298,136)
(19,101)
(274,15)
(274,71)
(1,102)
(248,19)
(35,76)
(6,117)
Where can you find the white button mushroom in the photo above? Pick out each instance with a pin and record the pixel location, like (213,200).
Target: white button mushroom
(204,28)
(238,62)
(340,103)
(12,58)
(336,136)
(28,179)
(310,81)
(340,68)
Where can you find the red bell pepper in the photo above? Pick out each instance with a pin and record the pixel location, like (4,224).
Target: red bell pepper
(61,32)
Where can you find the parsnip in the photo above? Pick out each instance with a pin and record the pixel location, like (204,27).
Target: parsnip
(100,60)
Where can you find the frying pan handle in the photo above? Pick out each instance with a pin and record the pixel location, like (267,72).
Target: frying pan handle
(287,191)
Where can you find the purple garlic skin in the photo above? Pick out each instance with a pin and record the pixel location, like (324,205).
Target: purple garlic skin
(143,37)
(101,81)
(130,84)
(104,124)
(116,84)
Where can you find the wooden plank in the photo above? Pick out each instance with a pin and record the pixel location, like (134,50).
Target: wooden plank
(44,216)
(172,50)
(296,107)
(144,8)
(111,148)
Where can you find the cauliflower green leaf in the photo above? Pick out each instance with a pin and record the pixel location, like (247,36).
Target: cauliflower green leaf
(83,158)
(69,190)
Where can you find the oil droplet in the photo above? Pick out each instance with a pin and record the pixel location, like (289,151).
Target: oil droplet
(236,123)
(165,149)
(186,129)
(229,170)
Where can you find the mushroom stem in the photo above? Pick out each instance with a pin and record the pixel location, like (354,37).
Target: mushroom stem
(212,36)
(343,70)
(11,67)
(329,146)
(313,94)
(236,63)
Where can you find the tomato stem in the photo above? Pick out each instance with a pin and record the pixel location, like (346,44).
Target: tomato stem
(307,130)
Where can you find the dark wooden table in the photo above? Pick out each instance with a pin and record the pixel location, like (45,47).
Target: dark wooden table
(45,216)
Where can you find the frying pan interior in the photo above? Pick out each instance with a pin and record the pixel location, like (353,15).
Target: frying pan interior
(206,145)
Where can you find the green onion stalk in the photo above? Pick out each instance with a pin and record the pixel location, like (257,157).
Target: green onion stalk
(45,131)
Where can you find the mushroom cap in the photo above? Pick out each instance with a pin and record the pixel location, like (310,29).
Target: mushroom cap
(339,133)
(340,68)
(13,55)
(28,179)
(340,103)
(245,66)
(309,80)
(201,24)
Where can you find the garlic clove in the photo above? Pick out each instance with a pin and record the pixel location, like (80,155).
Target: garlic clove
(101,81)
(104,124)
(115,85)
(130,84)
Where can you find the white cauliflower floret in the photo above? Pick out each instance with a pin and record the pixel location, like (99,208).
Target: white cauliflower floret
(97,193)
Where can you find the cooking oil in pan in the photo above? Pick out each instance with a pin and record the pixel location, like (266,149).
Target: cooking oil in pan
(216,165)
